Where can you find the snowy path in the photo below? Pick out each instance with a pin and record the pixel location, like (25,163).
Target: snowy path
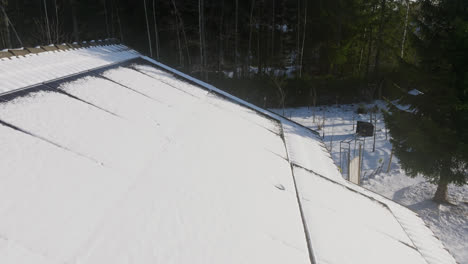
(449,223)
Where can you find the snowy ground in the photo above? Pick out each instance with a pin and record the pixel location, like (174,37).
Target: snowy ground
(448,222)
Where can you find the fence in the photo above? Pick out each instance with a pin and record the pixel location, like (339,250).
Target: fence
(351,160)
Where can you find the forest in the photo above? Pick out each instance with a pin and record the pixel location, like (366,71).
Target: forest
(270,52)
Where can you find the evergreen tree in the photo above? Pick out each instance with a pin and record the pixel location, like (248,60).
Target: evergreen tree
(431,137)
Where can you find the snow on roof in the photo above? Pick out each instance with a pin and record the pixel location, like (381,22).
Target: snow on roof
(33,69)
(415,92)
(111,157)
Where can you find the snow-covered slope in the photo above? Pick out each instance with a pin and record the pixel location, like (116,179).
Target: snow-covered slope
(174,177)
(448,222)
(138,163)
(33,69)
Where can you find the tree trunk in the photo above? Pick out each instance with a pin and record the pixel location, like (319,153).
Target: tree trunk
(179,45)
(273,28)
(200,35)
(6,29)
(189,61)
(76,34)
(106,18)
(156,33)
(56,23)
(391,156)
(440,195)
(362,52)
(303,38)
(236,63)
(379,38)
(118,21)
(298,34)
(259,36)
(404,32)
(249,52)
(180,24)
(334,67)
(148,30)
(8,23)
(201,31)
(112,24)
(369,52)
(282,34)
(49,37)
(205,57)
(221,41)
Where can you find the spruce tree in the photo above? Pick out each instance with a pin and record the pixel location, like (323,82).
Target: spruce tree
(431,136)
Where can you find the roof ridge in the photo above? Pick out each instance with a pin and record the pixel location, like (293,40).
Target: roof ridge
(27,70)
(23,51)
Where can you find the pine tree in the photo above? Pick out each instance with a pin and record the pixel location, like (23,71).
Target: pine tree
(431,137)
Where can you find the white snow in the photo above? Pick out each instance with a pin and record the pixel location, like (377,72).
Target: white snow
(32,69)
(449,223)
(306,150)
(176,178)
(340,220)
(136,165)
(415,92)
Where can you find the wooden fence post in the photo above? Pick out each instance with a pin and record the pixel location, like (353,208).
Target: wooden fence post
(390,161)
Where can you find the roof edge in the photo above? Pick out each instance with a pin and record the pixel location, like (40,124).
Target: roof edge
(22,51)
(229,96)
(19,78)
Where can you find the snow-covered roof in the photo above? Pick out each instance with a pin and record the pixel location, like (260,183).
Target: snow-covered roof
(108,156)
(415,92)
(35,68)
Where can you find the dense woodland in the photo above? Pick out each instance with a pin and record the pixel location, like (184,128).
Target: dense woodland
(278,53)
(329,50)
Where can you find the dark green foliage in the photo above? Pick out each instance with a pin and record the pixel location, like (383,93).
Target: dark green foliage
(361,109)
(338,51)
(431,136)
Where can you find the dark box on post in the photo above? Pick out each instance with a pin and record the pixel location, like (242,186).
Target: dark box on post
(365,129)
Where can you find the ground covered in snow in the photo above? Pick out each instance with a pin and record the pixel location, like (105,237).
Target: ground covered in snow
(335,124)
